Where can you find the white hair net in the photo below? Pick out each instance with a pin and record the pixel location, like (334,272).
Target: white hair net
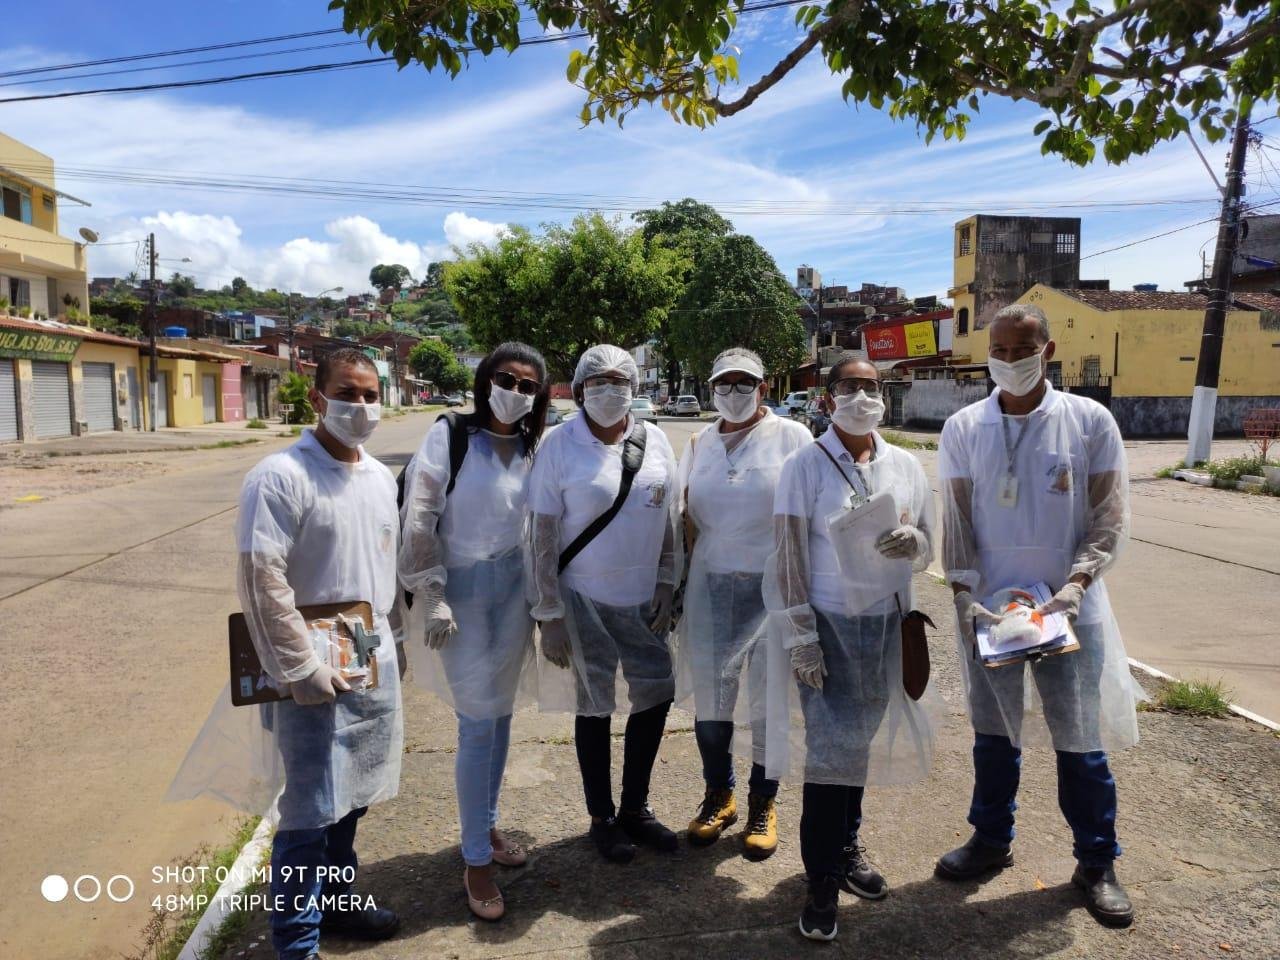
(602,358)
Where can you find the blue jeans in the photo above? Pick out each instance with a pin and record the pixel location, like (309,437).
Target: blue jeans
(1086,795)
(482,756)
(297,857)
(715,740)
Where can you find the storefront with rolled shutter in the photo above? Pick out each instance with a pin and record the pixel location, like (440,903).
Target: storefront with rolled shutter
(99,396)
(8,402)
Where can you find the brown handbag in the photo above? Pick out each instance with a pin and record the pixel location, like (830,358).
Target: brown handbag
(915,651)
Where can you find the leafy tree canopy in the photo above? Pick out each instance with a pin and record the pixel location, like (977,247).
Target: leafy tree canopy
(389,276)
(433,360)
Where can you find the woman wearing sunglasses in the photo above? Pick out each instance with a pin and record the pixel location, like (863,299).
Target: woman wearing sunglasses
(470,632)
(728,476)
(853,518)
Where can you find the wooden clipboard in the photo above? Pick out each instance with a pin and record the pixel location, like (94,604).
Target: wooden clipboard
(250,684)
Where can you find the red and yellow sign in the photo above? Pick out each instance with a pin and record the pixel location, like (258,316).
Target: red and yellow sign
(901,341)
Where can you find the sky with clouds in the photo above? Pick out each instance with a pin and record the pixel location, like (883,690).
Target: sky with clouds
(502,145)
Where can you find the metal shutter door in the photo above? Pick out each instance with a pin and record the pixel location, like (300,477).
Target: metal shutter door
(250,389)
(99,395)
(209,391)
(53,398)
(162,398)
(8,402)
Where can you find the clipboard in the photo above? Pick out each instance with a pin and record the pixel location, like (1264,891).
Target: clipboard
(1057,635)
(869,576)
(250,684)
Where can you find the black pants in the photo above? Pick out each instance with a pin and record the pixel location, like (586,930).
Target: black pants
(829,822)
(640,752)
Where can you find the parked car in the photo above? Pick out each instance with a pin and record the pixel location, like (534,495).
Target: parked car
(642,409)
(816,418)
(796,400)
(780,410)
(687,406)
(440,399)
(669,407)
(454,400)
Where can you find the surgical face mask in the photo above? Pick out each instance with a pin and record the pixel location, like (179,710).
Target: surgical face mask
(858,413)
(351,424)
(607,404)
(737,407)
(1018,378)
(507,405)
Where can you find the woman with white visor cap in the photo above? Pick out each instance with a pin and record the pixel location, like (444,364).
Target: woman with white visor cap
(605,559)
(470,632)
(853,520)
(728,476)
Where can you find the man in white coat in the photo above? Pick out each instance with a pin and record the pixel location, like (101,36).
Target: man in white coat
(1035,489)
(318,525)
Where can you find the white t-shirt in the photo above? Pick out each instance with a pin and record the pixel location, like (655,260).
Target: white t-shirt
(1068,439)
(576,478)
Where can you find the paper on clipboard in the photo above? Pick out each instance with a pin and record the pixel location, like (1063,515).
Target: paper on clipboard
(868,575)
(1056,635)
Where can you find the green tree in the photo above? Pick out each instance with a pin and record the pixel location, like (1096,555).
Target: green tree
(1129,77)
(389,276)
(433,360)
(434,279)
(294,391)
(574,286)
(690,229)
(458,338)
(738,297)
(180,286)
(121,315)
(239,286)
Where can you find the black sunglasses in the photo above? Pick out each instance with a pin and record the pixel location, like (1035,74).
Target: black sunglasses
(508,381)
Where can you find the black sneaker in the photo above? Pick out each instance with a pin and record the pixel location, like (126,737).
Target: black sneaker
(643,827)
(818,920)
(1104,896)
(612,841)
(370,923)
(860,877)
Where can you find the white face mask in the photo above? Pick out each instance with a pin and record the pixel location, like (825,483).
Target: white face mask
(858,413)
(737,407)
(1018,378)
(607,404)
(351,424)
(507,405)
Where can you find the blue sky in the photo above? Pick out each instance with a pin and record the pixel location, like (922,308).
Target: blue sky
(510,124)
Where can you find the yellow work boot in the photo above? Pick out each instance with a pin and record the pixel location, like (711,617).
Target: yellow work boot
(760,838)
(718,812)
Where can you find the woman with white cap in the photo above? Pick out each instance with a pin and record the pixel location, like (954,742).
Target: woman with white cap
(605,558)
(728,476)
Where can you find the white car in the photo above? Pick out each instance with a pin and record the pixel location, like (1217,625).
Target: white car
(688,406)
(642,409)
(796,401)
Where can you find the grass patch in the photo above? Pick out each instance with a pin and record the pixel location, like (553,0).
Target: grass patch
(1199,698)
(907,443)
(1226,473)
(257,423)
(1166,473)
(168,930)
(224,444)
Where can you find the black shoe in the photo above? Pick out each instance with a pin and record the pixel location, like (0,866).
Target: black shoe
(973,860)
(371,923)
(612,841)
(818,920)
(860,877)
(643,827)
(1104,896)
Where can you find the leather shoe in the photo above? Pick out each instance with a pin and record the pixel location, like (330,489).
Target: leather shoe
(1104,896)
(973,860)
(371,923)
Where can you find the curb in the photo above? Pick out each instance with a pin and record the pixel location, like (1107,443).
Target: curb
(1235,708)
(241,873)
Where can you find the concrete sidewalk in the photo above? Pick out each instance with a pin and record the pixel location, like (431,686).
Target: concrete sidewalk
(1198,820)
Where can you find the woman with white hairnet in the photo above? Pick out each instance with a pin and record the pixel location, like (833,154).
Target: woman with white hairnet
(470,635)
(604,556)
(728,476)
(836,591)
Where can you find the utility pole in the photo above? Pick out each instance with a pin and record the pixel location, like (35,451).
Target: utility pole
(152,376)
(288,308)
(1204,399)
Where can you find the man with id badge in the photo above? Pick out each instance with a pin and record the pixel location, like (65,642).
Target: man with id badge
(1035,488)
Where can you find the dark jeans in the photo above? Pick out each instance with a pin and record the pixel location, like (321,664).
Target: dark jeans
(1086,795)
(297,857)
(715,742)
(829,822)
(640,751)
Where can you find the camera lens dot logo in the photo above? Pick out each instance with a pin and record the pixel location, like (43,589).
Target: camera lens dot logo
(54,888)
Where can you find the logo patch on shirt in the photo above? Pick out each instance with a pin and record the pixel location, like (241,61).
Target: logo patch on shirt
(1060,478)
(657,495)
(386,538)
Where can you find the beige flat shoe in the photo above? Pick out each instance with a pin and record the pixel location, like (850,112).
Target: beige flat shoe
(509,854)
(490,910)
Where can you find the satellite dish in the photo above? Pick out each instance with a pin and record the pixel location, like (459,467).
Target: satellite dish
(89,235)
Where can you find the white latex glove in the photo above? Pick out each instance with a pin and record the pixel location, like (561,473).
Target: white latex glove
(555,642)
(660,609)
(905,543)
(440,625)
(1067,600)
(969,613)
(322,685)
(807,662)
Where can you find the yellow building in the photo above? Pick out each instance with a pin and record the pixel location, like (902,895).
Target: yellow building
(39,269)
(190,385)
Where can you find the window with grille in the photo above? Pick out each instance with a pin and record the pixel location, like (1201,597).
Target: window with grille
(1066,243)
(962,322)
(964,243)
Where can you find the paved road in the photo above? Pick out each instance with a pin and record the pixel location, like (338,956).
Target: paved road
(116,600)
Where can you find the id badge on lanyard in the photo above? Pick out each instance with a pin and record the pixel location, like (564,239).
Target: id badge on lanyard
(1007,494)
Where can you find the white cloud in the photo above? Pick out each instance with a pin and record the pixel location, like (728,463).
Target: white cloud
(462,231)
